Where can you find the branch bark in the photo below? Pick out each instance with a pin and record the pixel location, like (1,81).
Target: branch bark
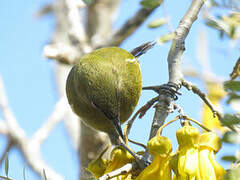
(100,17)
(61,108)
(121,171)
(130,26)
(29,147)
(165,104)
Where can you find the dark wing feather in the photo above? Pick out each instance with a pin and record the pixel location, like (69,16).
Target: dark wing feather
(104,94)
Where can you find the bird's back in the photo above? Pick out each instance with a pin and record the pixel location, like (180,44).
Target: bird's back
(103,85)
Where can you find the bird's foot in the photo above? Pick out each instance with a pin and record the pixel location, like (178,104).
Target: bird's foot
(141,162)
(169,88)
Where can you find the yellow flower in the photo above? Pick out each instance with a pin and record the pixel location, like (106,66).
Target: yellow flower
(209,169)
(174,166)
(187,166)
(97,166)
(215,94)
(119,157)
(195,158)
(160,147)
(211,140)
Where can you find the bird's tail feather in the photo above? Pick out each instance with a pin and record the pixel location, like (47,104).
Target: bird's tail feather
(140,50)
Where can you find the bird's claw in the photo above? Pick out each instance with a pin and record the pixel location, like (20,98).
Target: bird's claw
(142,162)
(169,88)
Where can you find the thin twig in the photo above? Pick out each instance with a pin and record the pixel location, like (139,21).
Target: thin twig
(179,109)
(68,53)
(101,15)
(61,108)
(196,122)
(63,53)
(131,25)
(44,10)
(121,171)
(6,150)
(177,47)
(141,112)
(137,143)
(77,33)
(235,72)
(11,122)
(159,132)
(28,147)
(3,127)
(203,96)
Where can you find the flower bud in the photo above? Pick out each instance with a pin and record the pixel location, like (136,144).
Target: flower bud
(211,140)
(118,158)
(187,136)
(159,145)
(97,167)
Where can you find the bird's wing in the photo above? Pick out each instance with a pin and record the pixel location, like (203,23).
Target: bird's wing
(104,93)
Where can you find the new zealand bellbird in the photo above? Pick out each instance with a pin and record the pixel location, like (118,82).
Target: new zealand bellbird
(104,87)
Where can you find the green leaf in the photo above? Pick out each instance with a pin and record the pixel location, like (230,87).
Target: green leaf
(212,24)
(44,174)
(150,4)
(157,22)
(232,97)
(221,34)
(213,3)
(232,85)
(232,32)
(165,38)
(231,137)
(232,174)
(230,119)
(6,164)
(24,174)
(229,158)
(88,2)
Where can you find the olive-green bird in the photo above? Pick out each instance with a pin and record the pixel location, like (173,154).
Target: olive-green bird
(104,87)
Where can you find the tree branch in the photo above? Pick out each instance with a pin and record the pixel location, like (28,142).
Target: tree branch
(131,25)
(3,127)
(177,47)
(61,108)
(100,17)
(28,147)
(141,112)
(77,38)
(203,96)
(77,33)
(11,122)
(235,72)
(6,150)
(121,171)
(165,104)
(63,53)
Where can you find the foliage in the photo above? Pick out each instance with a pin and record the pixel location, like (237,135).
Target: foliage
(150,4)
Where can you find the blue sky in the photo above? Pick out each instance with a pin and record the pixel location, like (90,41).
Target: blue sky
(30,82)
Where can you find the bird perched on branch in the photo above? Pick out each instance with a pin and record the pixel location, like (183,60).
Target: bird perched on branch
(104,87)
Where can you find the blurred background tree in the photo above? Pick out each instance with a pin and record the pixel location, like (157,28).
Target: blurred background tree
(37,125)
